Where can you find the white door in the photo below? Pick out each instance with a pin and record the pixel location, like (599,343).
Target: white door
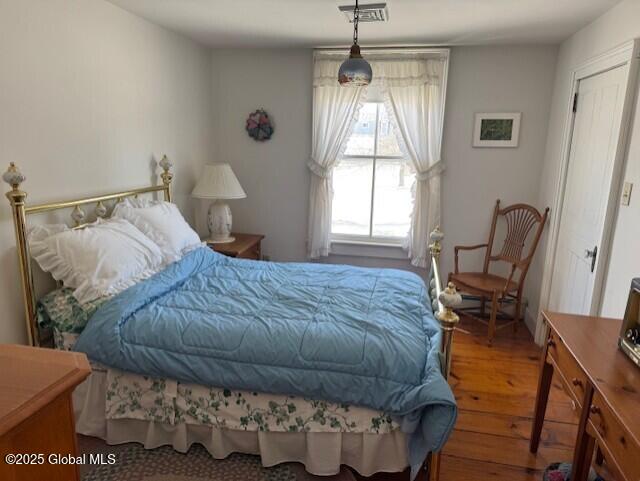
(594,142)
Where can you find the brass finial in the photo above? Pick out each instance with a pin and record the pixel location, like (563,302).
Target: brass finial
(436,242)
(449,299)
(13,176)
(166,165)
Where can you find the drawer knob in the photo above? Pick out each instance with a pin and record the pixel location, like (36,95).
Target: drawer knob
(576,382)
(551,342)
(601,428)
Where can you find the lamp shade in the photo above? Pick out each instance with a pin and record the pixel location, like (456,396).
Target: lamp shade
(218,181)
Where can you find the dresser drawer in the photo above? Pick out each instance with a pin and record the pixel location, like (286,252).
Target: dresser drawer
(566,365)
(610,433)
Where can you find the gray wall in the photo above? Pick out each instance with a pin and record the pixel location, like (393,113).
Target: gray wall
(274,173)
(276,179)
(90,94)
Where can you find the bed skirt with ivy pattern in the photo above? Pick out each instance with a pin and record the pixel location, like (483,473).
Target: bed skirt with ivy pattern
(122,407)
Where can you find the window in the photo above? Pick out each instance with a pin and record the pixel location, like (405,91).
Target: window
(372,183)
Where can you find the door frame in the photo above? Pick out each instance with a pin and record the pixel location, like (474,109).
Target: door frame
(627,54)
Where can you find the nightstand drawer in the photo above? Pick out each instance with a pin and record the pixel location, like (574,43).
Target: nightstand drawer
(244,246)
(575,379)
(610,433)
(253,253)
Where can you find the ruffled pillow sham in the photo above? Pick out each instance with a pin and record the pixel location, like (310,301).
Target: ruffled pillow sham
(99,260)
(161,222)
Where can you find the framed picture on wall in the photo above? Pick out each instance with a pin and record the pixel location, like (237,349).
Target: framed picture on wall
(496,129)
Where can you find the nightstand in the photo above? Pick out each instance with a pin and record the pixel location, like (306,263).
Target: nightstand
(246,246)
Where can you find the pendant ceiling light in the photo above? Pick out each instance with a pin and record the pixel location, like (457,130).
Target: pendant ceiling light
(355,71)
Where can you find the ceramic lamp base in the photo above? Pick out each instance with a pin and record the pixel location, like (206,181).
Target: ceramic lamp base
(219,221)
(211,240)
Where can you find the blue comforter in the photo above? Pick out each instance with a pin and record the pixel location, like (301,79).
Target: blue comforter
(339,333)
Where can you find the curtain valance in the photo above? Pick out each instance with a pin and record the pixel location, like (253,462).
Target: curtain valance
(401,72)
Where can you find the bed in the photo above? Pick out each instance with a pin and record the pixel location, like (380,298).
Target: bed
(315,374)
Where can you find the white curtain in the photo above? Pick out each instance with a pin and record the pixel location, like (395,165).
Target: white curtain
(414,95)
(335,110)
(413,88)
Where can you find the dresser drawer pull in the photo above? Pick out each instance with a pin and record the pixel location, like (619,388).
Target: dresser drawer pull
(551,342)
(601,427)
(576,382)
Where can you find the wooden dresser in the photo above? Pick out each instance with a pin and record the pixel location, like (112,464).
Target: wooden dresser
(604,384)
(36,414)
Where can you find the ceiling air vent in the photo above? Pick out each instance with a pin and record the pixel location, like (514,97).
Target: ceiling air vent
(372,12)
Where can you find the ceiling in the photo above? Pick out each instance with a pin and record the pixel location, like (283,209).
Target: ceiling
(311,23)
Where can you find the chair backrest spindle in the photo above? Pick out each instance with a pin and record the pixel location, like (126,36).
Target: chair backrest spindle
(521,220)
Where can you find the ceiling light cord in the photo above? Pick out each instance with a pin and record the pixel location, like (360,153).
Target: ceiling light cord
(356,17)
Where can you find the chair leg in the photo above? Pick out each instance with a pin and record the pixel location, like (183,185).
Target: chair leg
(492,319)
(516,316)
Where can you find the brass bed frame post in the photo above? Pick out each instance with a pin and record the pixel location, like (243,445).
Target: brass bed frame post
(17,197)
(443,302)
(166,176)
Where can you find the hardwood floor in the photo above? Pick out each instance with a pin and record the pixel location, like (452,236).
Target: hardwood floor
(495,388)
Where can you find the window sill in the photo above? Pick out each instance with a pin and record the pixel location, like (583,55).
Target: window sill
(357,248)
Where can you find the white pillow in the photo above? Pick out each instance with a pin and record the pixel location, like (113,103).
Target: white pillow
(163,223)
(99,260)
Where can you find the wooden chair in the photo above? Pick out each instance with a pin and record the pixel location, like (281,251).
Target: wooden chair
(521,221)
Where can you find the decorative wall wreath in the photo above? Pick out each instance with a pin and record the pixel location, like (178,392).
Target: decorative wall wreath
(259,126)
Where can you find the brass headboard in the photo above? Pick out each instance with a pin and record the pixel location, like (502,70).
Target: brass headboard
(20,210)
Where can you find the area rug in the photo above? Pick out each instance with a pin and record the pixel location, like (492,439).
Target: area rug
(134,463)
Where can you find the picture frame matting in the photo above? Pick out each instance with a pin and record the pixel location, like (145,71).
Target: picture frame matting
(500,129)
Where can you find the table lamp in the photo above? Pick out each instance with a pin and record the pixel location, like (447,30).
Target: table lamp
(218,183)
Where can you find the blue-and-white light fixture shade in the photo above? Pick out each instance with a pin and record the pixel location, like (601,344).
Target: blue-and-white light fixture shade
(355,71)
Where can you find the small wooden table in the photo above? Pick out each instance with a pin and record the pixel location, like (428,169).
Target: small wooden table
(604,384)
(36,413)
(246,246)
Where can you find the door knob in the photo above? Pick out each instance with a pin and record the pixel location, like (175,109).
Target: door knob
(592,254)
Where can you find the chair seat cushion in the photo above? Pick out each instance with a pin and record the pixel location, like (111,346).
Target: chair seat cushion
(479,281)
